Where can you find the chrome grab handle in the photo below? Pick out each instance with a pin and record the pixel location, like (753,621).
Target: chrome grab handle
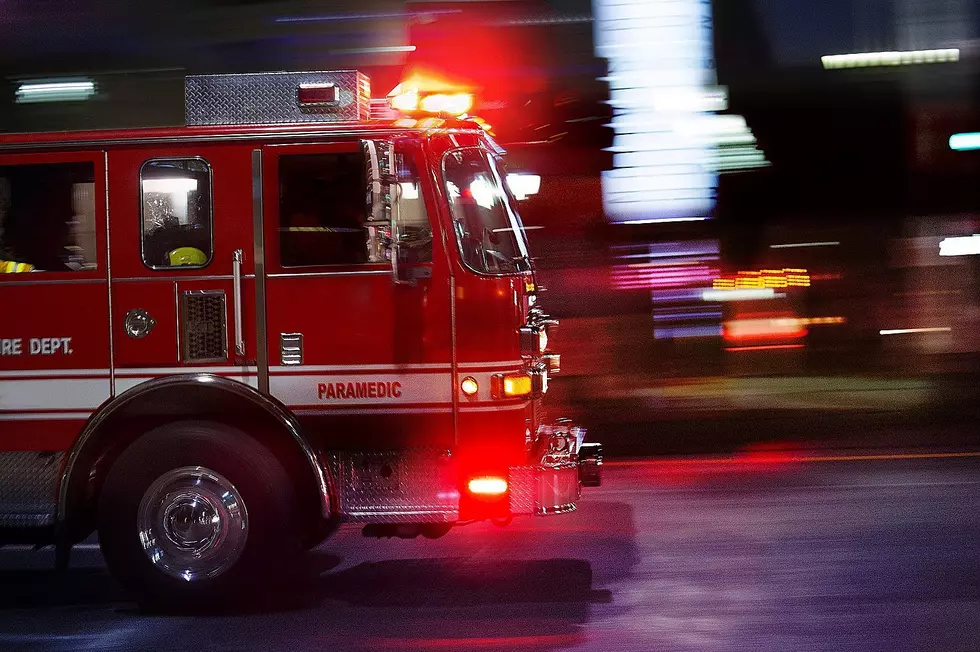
(236,271)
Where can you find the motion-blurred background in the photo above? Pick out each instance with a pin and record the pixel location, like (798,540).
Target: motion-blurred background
(755,220)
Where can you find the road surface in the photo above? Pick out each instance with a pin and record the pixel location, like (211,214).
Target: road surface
(762,553)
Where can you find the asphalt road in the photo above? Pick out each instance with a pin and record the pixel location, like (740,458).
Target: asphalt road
(764,553)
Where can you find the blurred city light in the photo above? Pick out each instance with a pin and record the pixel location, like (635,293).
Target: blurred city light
(909,331)
(965,142)
(794,245)
(960,246)
(52,91)
(766,278)
(656,94)
(739,295)
(897,58)
(523,185)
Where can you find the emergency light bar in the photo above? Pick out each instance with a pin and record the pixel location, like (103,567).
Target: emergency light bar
(410,100)
(277,98)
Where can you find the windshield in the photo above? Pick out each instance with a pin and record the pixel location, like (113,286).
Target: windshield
(488,229)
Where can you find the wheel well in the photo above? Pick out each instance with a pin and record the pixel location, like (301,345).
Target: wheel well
(141,409)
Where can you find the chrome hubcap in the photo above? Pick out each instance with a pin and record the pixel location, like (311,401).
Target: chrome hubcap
(192,523)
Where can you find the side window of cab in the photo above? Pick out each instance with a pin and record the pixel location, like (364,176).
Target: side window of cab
(177,213)
(47,217)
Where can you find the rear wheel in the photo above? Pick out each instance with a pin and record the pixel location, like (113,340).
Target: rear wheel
(193,511)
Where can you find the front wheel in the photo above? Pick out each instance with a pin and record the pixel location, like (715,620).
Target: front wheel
(191,512)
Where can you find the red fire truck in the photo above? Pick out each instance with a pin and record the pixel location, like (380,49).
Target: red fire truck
(237,335)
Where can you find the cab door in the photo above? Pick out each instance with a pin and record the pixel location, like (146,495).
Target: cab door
(182,288)
(365,362)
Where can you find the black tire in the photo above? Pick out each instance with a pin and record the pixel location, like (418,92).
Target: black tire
(272,537)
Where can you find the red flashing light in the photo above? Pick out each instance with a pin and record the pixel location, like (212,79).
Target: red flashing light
(764,327)
(318,94)
(487,486)
(430,96)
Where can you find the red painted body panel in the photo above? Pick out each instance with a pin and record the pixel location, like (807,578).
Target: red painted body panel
(70,306)
(159,291)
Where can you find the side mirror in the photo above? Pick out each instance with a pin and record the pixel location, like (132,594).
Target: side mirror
(383,193)
(379,202)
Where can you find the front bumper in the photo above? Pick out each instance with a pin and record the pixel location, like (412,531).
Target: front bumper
(553,485)
(422,485)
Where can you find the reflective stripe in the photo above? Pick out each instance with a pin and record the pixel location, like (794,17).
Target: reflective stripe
(128,382)
(44,416)
(382,388)
(53,394)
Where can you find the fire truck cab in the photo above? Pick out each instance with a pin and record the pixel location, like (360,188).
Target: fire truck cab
(220,342)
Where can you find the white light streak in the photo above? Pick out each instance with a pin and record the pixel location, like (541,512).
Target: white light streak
(960,246)
(896,58)
(409,190)
(65,91)
(376,50)
(660,79)
(906,331)
(964,142)
(748,294)
(664,220)
(484,193)
(794,245)
(176,184)
(523,185)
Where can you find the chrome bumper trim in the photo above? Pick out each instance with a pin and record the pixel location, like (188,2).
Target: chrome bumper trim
(543,489)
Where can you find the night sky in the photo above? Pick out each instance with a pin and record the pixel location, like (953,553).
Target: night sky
(104,31)
(801,31)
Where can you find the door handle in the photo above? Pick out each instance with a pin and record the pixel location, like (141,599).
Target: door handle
(236,271)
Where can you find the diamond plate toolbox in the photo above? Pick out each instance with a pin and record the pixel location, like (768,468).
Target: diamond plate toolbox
(273,98)
(404,486)
(29,482)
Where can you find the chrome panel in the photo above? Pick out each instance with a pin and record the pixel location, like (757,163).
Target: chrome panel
(407,486)
(272,98)
(290,349)
(25,521)
(175,278)
(544,490)
(521,485)
(176,320)
(590,464)
(236,266)
(204,326)
(358,272)
(138,323)
(29,482)
(258,234)
(455,353)
(273,407)
(192,523)
(109,281)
